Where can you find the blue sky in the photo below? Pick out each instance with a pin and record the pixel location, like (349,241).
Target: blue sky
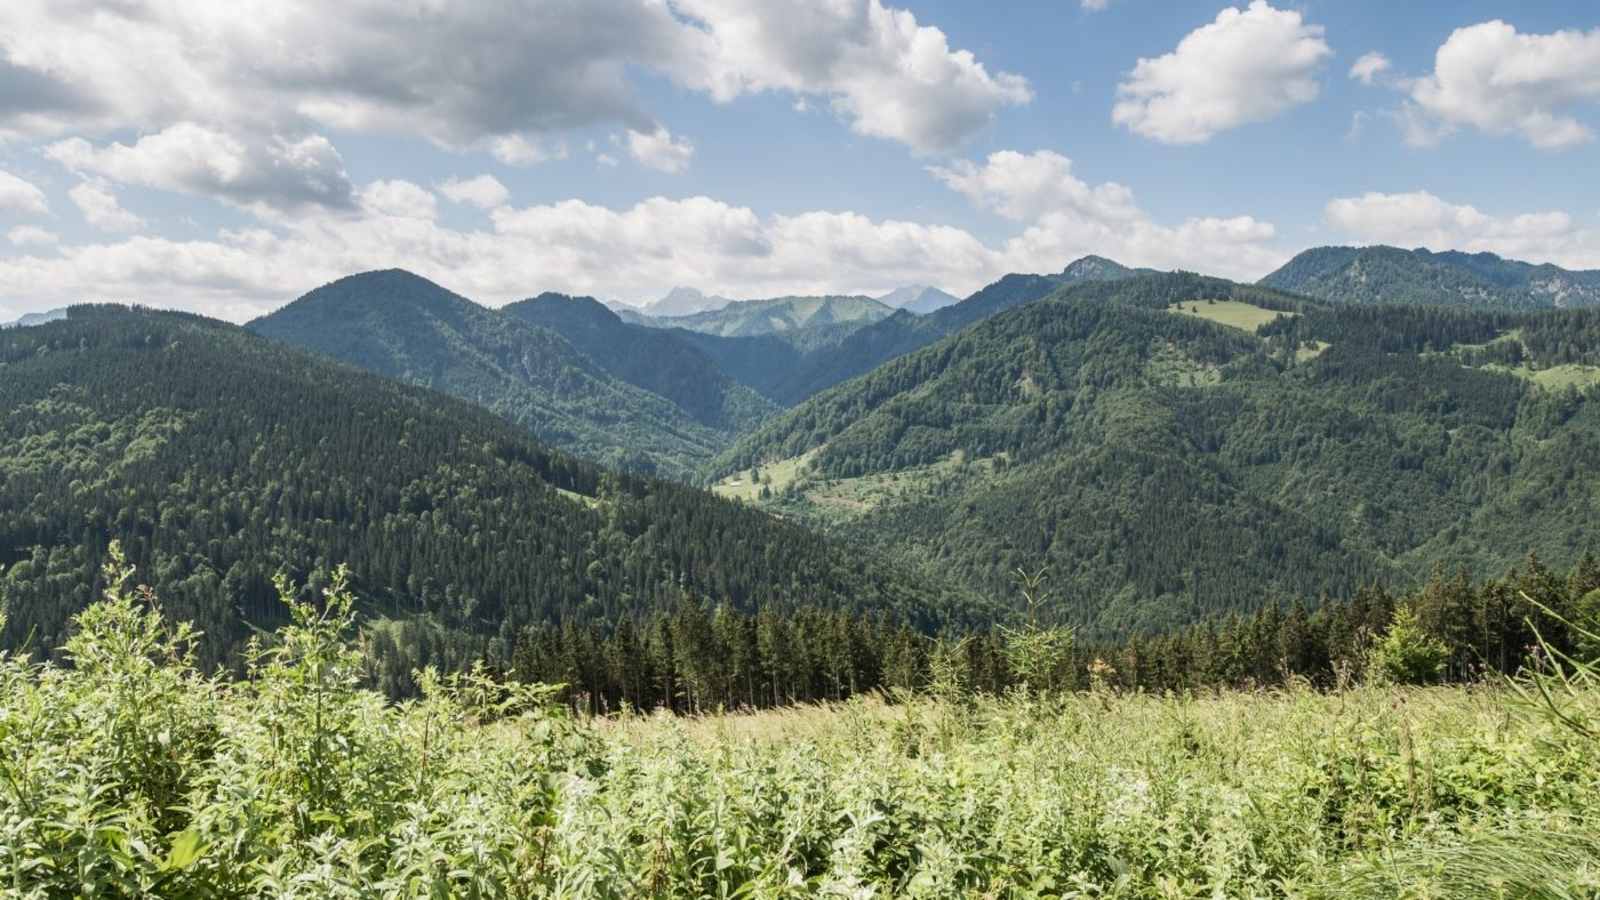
(174,155)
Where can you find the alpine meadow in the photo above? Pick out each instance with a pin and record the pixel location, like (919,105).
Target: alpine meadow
(828,448)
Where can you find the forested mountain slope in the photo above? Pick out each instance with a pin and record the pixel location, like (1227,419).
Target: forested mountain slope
(1391,275)
(219,459)
(403,326)
(904,332)
(1175,446)
(661,361)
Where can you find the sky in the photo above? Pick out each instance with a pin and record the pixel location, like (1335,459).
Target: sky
(226,158)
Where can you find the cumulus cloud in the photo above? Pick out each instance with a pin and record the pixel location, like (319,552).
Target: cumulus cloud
(1494,79)
(1096,5)
(101,209)
(1420,219)
(399,199)
(31,235)
(1249,65)
(484,191)
(661,151)
(1371,65)
(1067,218)
(192,159)
(494,75)
(573,246)
(19,196)
(884,73)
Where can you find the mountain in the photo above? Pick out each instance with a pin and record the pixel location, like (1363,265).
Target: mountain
(402,326)
(219,459)
(805,322)
(1175,447)
(918,298)
(28,320)
(874,345)
(683,301)
(656,360)
(1367,275)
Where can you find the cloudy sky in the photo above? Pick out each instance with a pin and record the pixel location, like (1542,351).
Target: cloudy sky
(226,158)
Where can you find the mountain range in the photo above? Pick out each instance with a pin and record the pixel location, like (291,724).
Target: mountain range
(1172,447)
(219,458)
(1391,275)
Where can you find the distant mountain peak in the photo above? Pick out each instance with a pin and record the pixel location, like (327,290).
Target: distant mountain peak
(684,301)
(918,298)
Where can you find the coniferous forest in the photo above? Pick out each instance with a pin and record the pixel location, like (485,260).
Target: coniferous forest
(846,449)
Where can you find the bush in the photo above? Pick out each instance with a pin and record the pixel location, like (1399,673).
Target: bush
(1408,654)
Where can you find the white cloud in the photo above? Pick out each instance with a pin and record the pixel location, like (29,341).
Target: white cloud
(1367,69)
(884,73)
(399,199)
(1420,219)
(516,150)
(632,252)
(19,196)
(1492,78)
(272,172)
(1249,65)
(606,159)
(1096,5)
(484,191)
(660,150)
(101,209)
(31,235)
(1068,218)
(494,75)
(573,246)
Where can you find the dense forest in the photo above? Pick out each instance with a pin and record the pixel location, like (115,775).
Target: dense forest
(221,460)
(1171,468)
(1390,275)
(696,659)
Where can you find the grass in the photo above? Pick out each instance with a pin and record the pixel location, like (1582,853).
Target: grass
(1554,378)
(776,477)
(839,500)
(131,774)
(1232,313)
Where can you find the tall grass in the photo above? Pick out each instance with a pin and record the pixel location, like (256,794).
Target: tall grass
(129,773)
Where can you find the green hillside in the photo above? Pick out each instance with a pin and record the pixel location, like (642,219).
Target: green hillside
(402,326)
(1170,464)
(662,362)
(220,459)
(904,332)
(1369,275)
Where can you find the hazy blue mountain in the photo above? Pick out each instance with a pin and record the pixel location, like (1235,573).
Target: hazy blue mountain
(38,318)
(918,298)
(684,301)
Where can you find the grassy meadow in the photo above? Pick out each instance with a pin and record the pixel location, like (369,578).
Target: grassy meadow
(131,773)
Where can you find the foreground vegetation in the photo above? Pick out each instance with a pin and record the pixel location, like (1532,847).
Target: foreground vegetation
(129,772)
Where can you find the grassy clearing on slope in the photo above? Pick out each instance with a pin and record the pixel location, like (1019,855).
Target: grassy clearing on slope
(1233,313)
(1554,378)
(775,477)
(839,500)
